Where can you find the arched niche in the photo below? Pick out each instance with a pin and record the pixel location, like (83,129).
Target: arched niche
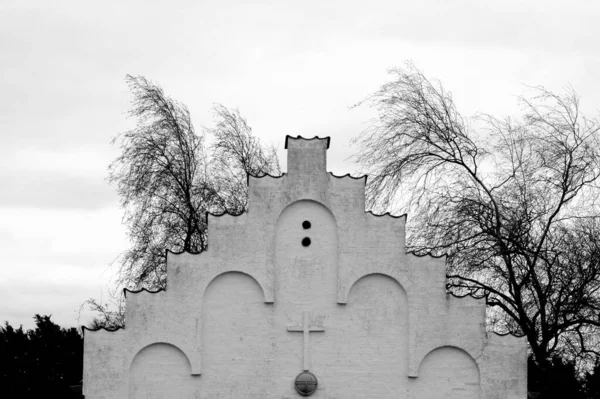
(306,253)
(369,336)
(447,372)
(386,283)
(261,282)
(390,272)
(161,371)
(236,326)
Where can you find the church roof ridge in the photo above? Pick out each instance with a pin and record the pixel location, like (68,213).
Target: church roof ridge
(304,138)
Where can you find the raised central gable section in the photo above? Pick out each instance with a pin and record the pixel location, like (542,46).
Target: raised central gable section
(306,254)
(306,156)
(307,164)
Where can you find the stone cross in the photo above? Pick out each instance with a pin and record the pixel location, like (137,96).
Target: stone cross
(306,329)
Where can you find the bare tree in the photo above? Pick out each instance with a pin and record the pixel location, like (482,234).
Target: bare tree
(514,205)
(110,314)
(236,153)
(168,179)
(162,181)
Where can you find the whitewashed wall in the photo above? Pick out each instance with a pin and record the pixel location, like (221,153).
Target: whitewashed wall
(220,330)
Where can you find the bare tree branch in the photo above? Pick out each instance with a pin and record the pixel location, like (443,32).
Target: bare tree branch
(168,179)
(514,206)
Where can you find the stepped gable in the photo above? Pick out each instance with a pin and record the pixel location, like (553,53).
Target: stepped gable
(305,294)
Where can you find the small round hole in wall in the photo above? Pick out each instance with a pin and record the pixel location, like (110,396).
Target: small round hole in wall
(306,224)
(305,241)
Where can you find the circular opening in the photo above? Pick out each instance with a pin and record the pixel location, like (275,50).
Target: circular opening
(306,224)
(305,241)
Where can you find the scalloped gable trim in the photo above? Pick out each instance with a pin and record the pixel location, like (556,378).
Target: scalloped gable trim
(507,334)
(479,298)
(168,251)
(426,254)
(126,290)
(224,213)
(350,176)
(249,175)
(404,215)
(303,138)
(84,328)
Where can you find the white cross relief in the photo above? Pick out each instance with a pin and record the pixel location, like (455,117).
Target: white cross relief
(306,329)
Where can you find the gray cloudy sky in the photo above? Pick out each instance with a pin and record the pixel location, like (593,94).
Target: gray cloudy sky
(290,67)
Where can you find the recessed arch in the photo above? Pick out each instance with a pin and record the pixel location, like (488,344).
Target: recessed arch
(234,323)
(434,351)
(175,347)
(159,369)
(308,201)
(449,372)
(345,288)
(370,335)
(365,276)
(305,260)
(261,282)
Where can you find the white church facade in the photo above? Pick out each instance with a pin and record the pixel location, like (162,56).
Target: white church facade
(306,294)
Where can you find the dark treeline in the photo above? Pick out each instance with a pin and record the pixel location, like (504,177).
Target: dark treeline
(561,380)
(40,363)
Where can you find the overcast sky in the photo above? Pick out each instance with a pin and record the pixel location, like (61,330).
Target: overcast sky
(290,67)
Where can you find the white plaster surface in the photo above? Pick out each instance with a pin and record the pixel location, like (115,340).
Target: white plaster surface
(220,330)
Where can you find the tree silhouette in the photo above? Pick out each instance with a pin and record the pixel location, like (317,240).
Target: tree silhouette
(514,205)
(43,362)
(168,179)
